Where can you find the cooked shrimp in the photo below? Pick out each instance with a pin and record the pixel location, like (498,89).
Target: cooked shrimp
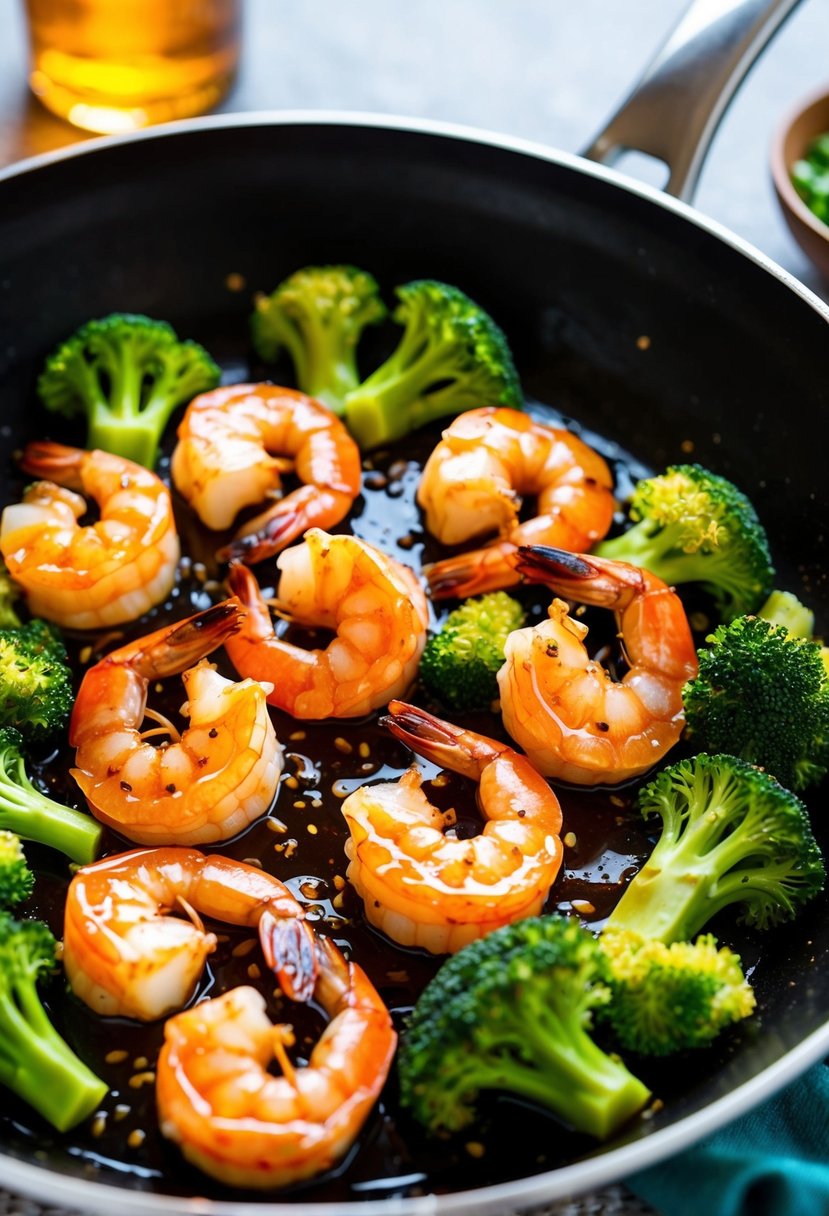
(424,887)
(202,786)
(102,574)
(562,707)
(236,1121)
(473,484)
(373,603)
(224,460)
(126,956)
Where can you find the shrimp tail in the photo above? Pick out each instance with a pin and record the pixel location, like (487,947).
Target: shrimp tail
(472,573)
(291,953)
(54,462)
(263,536)
(462,751)
(172,650)
(243,585)
(582,577)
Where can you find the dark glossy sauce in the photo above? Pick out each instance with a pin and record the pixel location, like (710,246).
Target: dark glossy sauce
(122,1143)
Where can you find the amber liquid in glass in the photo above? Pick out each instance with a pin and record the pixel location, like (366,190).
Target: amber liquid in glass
(116,65)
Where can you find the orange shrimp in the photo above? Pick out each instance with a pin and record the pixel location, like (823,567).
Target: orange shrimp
(373,603)
(108,572)
(202,786)
(236,1121)
(425,888)
(224,460)
(473,484)
(567,713)
(126,955)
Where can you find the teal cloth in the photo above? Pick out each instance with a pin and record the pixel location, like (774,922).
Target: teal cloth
(774,1161)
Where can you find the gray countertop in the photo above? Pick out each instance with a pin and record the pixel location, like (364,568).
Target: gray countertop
(547,70)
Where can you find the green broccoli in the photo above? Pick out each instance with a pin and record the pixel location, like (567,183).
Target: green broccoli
(35,1062)
(512,1012)
(783,608)
(451,357)
(30,814)
(318,315)
(460,662)
(9,593)
(693,526)
(668,998)
(730,835)
(35,681)
(762,694)
(126,373)
(16,879)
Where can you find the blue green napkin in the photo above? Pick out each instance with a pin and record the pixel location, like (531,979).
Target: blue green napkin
(774,1161)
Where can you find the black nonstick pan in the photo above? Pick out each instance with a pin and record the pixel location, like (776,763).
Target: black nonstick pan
(655,331)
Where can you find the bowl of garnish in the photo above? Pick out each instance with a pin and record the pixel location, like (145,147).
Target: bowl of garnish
(800,169)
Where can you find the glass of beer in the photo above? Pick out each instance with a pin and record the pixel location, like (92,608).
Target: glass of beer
(117,65)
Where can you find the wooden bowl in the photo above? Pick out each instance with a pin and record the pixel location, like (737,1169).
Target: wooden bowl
(807,120)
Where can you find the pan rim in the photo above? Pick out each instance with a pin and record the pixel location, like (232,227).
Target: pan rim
(425,126)
(88,1195)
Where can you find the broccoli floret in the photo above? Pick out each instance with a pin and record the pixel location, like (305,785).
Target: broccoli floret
(35,680)
(318,315)
(783,608)
(126,373)
(451,357)
(10,592)
(30,814)
(696,527)
(16,879)
(512,1012)
(668,998)
(730,835)
(459,663)
(35,1062)
(762,694)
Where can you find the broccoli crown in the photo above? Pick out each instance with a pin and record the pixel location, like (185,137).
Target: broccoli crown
(318,315)
(9,593)
(762,694)
(27,812)
(16,879)
(35,680)
(459,664)
(669,998)
(730,835)
(126,373)
(694,526)
(35,1062)
(511,1012)
(451,357)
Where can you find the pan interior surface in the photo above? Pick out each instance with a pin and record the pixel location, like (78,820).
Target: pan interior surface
(645,328)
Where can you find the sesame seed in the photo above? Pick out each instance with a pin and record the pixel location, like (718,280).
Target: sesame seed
(291,782)
(140,1063)
(121,1111)
(136,1137)
(300,804)
(234,281)
(116,1057)
(253,972)
(99,1124)
(298,736)
(276,825)
(342,745)
(242,949)
(475,1149)
(339,882)
(570,840)
(141,1078)
(313,829)
(253,861)
(365,750)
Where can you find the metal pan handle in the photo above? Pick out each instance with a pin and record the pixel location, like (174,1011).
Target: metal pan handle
(677,105)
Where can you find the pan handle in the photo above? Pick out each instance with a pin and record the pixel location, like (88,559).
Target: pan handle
(677,105)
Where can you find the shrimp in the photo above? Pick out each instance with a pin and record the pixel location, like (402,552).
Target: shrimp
(473,482)
(423,887)
(236,1121)
(562,707)
(373,603)
(223,461)
(106,573)
(126,956)
(206,784)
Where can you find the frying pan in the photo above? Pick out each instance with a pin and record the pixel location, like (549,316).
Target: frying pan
(579,265)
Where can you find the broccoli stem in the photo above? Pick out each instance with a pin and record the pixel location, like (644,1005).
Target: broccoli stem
(391,402)
(135,438)
(33,816)
(39,1066)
